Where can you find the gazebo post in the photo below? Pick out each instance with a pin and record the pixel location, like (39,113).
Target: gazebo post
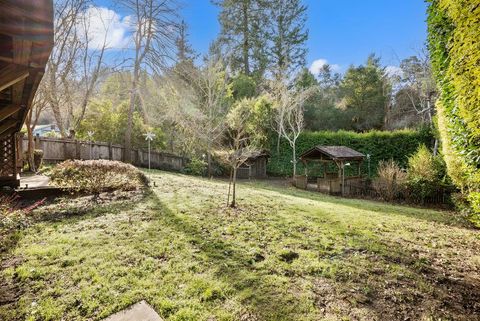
(343,177)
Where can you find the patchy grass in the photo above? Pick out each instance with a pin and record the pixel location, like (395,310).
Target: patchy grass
(285,254)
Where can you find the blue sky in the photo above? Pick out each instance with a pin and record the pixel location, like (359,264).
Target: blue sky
(342,32)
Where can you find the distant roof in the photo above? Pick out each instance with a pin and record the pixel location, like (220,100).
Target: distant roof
(332,153)
(260,153)
(48,126)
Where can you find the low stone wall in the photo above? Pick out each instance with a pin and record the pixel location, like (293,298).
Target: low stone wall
(60,149)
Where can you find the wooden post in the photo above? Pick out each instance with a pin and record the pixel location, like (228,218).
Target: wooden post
(110,151)
(65,152)
(78,150)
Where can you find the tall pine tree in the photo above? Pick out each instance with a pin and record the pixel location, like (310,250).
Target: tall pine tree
(287,35)
(242,34)
(185,51)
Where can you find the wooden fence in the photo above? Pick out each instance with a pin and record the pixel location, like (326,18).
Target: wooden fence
(59,149)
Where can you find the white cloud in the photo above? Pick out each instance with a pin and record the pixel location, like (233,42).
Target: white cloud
(318,64)
(393,71)
(105,25)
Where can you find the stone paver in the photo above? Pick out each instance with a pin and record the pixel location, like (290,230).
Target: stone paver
(34,181)
(140,311)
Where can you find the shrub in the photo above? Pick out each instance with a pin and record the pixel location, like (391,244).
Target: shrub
(96,176)
(390,183)
(196,167)
(425,174)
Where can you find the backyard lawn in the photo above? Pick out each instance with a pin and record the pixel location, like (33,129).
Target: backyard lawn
(284,254)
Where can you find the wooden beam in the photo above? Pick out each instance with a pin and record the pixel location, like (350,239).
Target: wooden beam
(6,125)
(8,111)
(12,74)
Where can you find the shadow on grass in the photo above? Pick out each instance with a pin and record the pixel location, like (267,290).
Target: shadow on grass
(389,296)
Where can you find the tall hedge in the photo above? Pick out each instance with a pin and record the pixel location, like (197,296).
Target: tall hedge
(454,43)
(381,145)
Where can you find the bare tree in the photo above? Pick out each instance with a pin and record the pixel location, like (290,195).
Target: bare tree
(61,67)
(75,65)
(289,114)
(39,105)
(211,83)
(92,59)
(155,28)
(240,142)
(416,82)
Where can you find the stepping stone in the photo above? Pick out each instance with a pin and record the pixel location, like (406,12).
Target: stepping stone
(140,311)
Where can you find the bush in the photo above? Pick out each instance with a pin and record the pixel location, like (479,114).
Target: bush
(381,145)
(425,174)
(97,176)
(196,167)
(390,183)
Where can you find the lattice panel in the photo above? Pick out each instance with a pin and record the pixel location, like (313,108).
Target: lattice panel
(7,157)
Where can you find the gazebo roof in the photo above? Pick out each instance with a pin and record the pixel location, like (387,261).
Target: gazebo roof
(332,153)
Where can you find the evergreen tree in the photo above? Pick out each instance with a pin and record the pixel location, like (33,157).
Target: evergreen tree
(242,35)
(185,52)
(365,94)
(287,35)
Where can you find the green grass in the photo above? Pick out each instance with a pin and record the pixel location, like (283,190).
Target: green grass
(284,254)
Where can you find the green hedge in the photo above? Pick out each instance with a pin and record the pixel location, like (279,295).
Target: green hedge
(381,145)
(453,28)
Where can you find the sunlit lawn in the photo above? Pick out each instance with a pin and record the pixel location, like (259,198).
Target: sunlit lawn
(284,254)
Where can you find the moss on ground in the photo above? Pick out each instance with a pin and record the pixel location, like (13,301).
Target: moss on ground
(284,254)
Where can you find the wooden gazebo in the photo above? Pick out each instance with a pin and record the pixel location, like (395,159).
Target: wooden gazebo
(341,156)
(26,40)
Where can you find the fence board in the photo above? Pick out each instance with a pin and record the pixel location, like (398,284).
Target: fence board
(58,149)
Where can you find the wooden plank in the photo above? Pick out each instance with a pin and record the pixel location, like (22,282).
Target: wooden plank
(8,111)
(6,125)
(12,74)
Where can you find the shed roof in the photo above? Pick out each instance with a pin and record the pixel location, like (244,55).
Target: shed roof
(332,153)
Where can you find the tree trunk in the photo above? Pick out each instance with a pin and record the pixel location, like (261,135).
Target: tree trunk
(278,142)
(435,147)
(30,145)
(229,186)
(209,160)
(128,132)
(234,204)
(294,160)
(245,38)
